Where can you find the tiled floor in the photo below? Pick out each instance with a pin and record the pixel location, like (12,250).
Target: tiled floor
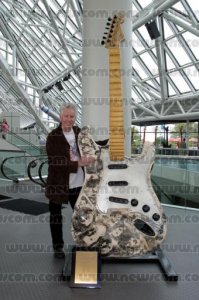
(29,271)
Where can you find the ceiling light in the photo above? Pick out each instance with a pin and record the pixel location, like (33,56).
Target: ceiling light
(152,30)
(59,86)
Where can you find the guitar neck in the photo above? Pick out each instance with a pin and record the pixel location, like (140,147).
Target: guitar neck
(116,124)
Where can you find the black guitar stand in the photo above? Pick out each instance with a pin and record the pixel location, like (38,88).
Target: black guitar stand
(157,256)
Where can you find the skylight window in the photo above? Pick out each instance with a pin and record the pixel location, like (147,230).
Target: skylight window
(144,3)
(193,42)
(40,49)
(179,82)
(150,63)
(179,7)
(139,69)
(171,90)
(167,30)
(137,43)
(178,51)
(193,75)
(195,7)
(169,63)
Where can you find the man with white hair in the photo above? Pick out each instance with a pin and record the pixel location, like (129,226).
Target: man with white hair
(65,172)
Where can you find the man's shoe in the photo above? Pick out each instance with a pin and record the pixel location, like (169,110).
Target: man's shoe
(59,253)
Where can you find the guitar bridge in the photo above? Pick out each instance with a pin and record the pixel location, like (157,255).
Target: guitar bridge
(118,200)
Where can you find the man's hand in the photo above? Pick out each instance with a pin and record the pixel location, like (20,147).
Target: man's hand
(85,161)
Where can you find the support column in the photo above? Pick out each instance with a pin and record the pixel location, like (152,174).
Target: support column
(95,67)
(198,135)
(187,133)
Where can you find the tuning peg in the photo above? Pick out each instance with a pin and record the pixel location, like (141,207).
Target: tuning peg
(108,23)
(115,17)
(109,19)
(102,42)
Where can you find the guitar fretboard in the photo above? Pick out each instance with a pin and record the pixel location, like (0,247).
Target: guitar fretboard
(116,125)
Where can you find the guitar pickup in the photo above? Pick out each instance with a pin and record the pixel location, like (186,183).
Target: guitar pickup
(117,166)
(118,200)
(118,183)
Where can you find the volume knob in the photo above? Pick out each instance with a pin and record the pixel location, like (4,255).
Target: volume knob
(156,217)
(134,202)
(145,208)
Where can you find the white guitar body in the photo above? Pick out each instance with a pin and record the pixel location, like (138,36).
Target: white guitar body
(117,209)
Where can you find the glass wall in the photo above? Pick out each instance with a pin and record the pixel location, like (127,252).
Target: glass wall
(176,180)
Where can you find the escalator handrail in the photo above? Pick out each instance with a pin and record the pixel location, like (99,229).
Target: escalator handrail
(40,169)
(31,165)
(24,140)
(11,157)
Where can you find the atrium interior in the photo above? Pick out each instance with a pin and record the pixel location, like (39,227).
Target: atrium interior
(41,69)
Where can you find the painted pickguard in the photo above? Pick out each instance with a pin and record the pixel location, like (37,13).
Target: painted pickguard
(96,221)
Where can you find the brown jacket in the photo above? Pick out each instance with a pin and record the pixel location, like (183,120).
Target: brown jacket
(59,165)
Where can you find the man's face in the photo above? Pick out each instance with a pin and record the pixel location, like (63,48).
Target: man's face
(67,118)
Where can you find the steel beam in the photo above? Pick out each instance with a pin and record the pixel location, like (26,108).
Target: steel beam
(62,74)
(143,86)
(24,98)
(34,37)
(146,109)
(176,117)
(152,11)
(79,23)
(161,64)
(181,23)
(62,40)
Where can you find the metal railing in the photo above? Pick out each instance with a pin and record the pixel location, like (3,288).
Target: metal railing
(24,145)
(15,168)
(37,163)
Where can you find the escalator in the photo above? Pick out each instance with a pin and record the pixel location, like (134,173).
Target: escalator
(39,166)
(25,167)
(24,145)
(172,189)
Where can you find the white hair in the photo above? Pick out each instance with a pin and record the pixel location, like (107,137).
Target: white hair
(68,106)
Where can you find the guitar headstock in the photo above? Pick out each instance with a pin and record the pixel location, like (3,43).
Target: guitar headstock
(114,35)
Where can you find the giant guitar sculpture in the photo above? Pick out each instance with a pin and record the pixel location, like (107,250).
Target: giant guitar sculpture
(117,209)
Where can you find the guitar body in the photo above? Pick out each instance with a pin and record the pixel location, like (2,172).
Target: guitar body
(117,209)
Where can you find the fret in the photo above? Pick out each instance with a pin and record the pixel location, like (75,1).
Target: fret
(114,130)
(117,140)
(116,115)
(118,130)
(118,120)
(116,106)
(114,66)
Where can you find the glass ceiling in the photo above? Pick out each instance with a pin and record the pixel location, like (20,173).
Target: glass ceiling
(41,44)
